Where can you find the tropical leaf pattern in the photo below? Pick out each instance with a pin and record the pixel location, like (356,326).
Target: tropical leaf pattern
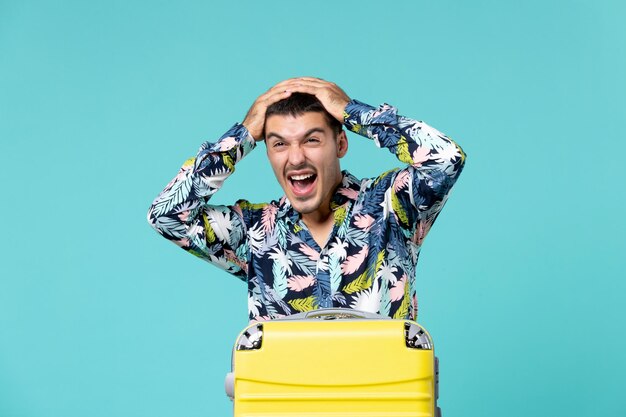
(380,223)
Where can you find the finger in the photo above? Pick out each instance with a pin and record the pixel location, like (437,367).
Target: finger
(316,81)
(281,84)
(287,84)
(302,80)
(271,91)
(296,85)
(307,87)
(304,88)
(276,97)
(270,95)
(313,83)
(283,91)
(311,79)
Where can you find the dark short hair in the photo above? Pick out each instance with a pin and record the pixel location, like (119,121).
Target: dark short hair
(299,103)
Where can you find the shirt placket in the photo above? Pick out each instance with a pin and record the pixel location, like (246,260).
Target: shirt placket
(323,279)
(324,299)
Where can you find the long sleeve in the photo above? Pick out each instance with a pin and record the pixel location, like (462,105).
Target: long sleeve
(182,213)
(417,193)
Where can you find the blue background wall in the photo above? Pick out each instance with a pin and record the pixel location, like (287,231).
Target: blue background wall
(521,281)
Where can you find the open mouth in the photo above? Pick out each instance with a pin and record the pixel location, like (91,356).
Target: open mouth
(302,184)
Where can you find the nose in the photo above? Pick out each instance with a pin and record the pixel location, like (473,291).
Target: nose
(296,155)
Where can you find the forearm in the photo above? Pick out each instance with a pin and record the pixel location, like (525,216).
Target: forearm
(417,193)
(200,177)
(179,212)
(413,142)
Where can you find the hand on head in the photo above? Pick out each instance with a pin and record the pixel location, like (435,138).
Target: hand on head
(333,98)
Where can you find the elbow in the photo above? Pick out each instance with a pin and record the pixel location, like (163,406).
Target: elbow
(453,161)
(151,218)
(156,217)
(459,162)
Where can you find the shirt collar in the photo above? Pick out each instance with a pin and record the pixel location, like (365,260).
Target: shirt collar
(347,191)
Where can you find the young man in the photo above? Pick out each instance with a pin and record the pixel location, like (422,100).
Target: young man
(332,240)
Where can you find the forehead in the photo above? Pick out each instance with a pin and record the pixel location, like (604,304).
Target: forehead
(288,126)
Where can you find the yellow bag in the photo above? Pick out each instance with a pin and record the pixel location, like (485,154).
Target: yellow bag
(334,362)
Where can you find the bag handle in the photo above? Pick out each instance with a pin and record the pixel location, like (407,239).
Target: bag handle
(334,313)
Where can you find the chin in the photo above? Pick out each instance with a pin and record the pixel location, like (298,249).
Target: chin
(304,207)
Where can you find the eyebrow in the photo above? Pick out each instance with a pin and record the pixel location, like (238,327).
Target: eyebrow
(307,133)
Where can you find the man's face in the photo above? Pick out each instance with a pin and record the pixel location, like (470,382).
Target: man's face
(304,153)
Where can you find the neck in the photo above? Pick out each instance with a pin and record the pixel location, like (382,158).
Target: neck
(318,217)
(323,214)
(320,226)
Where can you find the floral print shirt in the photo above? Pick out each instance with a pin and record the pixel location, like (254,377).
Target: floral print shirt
(368,262)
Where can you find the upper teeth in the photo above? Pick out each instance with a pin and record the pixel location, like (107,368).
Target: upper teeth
(301,177)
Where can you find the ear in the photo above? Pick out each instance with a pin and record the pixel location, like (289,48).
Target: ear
(342,144)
